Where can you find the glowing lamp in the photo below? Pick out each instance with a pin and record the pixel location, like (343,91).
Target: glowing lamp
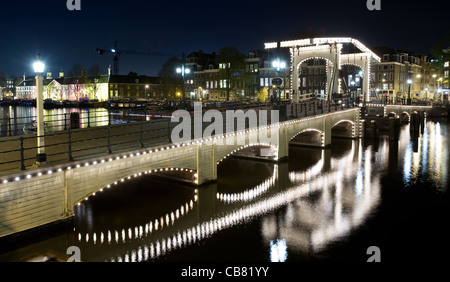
(38,66)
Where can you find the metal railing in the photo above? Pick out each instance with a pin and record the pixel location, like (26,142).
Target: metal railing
(69,144)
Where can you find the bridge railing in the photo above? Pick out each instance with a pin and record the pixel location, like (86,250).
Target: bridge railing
(20,152)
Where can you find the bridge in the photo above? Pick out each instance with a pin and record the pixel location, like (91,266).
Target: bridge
(36,197)
(33,197)
(206,212)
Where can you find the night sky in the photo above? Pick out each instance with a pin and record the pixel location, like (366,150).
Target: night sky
(64,38)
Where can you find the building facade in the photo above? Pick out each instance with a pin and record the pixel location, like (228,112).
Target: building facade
(100,88)
(403,75)
(253,83)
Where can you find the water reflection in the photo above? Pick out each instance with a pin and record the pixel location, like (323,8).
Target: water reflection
(321,206)
(14,119)
(428,161)
(328,205)
(302,206)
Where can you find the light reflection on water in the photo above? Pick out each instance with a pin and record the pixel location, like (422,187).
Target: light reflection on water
(302,206)
(429,160)
(338,209)
(59,118)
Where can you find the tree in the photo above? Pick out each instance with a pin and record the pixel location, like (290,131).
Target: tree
(169,76)
(76,71)
(94,71)
(263,94)
(231,69)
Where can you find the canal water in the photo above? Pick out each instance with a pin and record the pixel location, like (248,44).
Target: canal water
(359,200)
(18,120)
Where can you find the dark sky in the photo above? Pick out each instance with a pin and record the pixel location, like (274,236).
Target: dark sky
(64,38)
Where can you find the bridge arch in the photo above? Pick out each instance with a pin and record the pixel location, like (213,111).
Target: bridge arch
(405,117)
(309,137)
(393,114)
(343,128)
(265,151)
(331,48)
(329,64)
(158,171)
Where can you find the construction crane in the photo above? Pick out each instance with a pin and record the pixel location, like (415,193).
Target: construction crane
(116,52)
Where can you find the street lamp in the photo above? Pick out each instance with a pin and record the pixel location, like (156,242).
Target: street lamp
(409,81)
(183,71)
(39,67)
(353,90)
(278,65)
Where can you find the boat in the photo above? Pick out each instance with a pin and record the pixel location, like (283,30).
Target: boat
(126,104)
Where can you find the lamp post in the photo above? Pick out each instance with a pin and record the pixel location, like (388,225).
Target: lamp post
(408,102)
(353,91)
(278,65)
(39,67)
(183,71)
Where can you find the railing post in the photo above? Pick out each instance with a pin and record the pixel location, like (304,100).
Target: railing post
(22,158)
(168,130)
(142,135)
(65,121)
(9,127)
(88,119)
(69,133)
(109,140)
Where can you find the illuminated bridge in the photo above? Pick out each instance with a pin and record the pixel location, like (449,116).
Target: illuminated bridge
(39,196)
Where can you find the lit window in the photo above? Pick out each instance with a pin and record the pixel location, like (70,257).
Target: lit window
(446,64)
(261,82)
